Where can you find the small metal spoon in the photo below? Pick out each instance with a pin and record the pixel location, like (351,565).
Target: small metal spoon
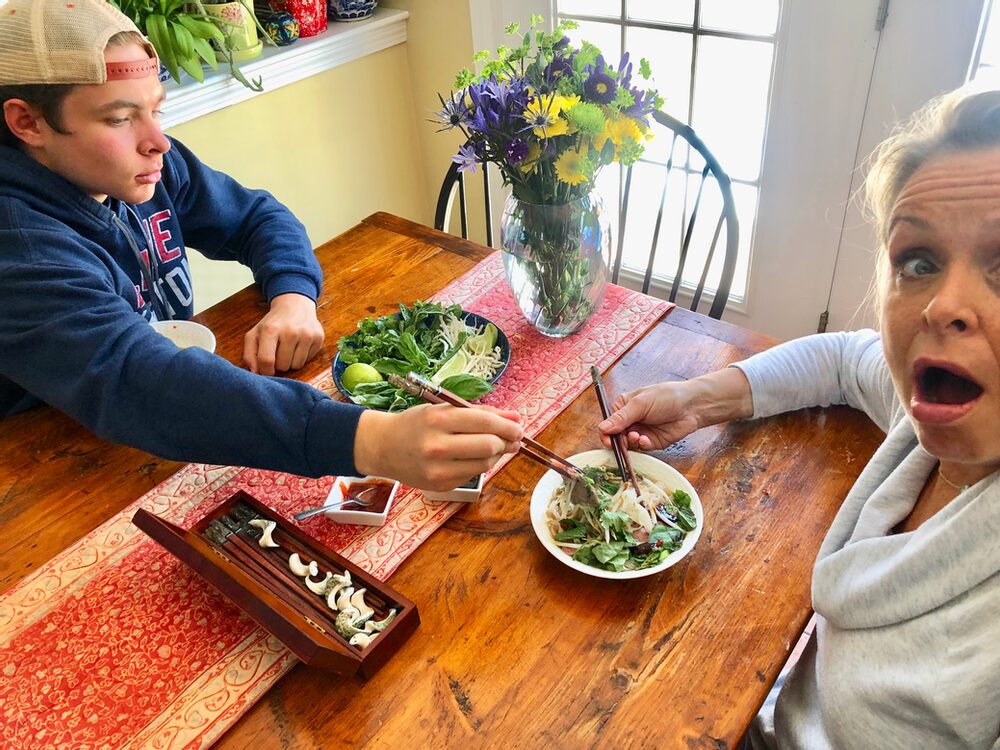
(360,499)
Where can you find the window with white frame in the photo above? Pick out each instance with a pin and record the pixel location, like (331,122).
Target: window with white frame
(986,66)
(712,61)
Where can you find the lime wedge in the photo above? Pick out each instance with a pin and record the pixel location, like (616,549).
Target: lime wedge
(484,342)
(455,365)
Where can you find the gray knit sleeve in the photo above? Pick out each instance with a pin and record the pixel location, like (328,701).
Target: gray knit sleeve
(828,368)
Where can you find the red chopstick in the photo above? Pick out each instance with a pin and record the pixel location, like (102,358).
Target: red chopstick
(618,444)
(435,394)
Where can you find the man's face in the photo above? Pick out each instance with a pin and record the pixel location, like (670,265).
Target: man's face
(114,145)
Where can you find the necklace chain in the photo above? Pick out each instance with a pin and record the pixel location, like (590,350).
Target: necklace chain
(959,487)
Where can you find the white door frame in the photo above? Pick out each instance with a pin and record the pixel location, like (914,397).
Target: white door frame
(945,34)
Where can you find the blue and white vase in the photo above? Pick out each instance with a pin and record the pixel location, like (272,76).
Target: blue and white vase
(350,10)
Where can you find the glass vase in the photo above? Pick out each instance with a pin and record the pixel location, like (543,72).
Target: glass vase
(556,260)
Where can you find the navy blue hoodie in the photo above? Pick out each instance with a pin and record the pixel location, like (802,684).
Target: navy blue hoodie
(74,305)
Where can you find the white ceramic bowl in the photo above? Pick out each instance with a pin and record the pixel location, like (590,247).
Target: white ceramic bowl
(186,333)
(463,494)
(645,464)
(340,489)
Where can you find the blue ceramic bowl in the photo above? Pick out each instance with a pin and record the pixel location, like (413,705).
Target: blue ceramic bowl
(350,10)
(471,319)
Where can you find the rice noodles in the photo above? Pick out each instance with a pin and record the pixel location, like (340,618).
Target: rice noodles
(622,531)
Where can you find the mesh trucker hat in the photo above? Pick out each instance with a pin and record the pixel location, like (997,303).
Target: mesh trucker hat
(63,41)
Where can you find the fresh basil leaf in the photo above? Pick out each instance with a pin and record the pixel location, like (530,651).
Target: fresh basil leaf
(686,519)
(681,499)
(388,366)
(466,386)
(374,395)
(412,352)
(403,401)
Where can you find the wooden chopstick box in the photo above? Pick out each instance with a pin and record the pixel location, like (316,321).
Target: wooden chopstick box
(261,590)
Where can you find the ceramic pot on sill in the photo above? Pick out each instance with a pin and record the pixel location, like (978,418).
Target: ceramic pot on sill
(311,14)
(351,10)
(239,26)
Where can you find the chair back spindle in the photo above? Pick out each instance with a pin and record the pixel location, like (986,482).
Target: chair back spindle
(712,170)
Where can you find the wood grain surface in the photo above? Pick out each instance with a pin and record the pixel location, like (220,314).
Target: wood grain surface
(515,649)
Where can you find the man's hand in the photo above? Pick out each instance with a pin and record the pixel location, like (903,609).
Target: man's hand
(284,339)
(435,447)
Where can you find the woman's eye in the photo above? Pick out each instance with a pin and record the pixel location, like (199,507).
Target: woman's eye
(916,266)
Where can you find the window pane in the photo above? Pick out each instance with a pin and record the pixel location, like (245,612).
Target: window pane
(742,16)
(606,36)
(664,11)
(988,71)
(730,101)
(669,55)
(610,8)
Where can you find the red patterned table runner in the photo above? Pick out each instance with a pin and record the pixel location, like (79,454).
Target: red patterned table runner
(116,644)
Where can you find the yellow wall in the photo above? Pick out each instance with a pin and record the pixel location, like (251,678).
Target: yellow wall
(439,44)
(333,147)
(338,146)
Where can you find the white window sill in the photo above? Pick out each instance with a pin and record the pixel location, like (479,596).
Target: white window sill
(278,66)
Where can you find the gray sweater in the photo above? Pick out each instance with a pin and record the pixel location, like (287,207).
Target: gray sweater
(906,651)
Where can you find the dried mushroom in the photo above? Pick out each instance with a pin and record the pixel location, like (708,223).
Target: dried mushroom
(267,529)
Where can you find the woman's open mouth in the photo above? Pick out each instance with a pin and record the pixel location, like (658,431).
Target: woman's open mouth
(944,392)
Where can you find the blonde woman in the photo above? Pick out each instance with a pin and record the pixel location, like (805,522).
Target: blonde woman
(906,586)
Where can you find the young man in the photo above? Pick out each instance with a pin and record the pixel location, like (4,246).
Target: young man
(93,201)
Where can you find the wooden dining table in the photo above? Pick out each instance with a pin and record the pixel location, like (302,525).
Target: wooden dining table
(514,648)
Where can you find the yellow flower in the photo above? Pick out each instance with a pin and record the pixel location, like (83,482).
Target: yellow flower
(542,114)
(531,160)
(619,130)
(562,103)
(572,166)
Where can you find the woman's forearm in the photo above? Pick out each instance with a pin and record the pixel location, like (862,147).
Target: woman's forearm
(721,396)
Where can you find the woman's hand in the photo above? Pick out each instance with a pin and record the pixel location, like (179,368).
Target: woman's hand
(284,339)
(655,416)
(435,447)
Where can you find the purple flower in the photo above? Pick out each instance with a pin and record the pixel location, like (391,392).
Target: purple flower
(625,72)
(560,66)
(453,112)
(600,87)
(517,151)
(496,105)
(466,158)
(645,103)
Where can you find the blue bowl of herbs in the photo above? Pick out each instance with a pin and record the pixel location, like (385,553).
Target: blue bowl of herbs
(463,352)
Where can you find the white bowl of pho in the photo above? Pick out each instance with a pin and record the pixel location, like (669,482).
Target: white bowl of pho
(623,536)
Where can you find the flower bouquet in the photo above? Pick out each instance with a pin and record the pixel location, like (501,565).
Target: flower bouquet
(550,117)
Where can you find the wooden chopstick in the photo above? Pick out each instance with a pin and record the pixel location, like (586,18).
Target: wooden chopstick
(618,445)
(435,394)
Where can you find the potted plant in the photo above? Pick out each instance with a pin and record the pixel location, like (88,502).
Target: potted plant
(186,36)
